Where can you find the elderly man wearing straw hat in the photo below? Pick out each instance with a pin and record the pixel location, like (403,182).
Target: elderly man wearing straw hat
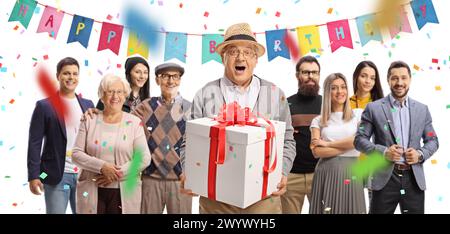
(239,52)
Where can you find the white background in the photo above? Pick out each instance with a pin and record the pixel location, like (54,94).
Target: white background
(18,82)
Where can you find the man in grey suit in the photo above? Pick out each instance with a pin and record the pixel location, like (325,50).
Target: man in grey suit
(398,123)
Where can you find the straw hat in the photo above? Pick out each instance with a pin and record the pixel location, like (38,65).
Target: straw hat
(240,33)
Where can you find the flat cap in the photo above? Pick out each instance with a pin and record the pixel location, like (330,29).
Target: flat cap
(168,66)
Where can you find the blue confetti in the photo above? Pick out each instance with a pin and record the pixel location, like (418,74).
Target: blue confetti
(37,10)
(3,69)
(12,148)
(85,194)
(1,143)
(448,165)
(66,187)
(86,62)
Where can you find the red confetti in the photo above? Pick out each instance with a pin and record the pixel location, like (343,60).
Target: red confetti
(430,134)
(1,64)
(50,91)
(11,101)
(45,57)
(347,181)
(109,17)
(14,204)
(17,26)
(119,65)
(96,142)
(181,5)
(18,56)
(434,60)
(206,14)
(292,46)
(75,169)
(277,14)
(204,26)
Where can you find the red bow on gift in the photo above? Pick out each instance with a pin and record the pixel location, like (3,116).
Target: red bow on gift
(230,115)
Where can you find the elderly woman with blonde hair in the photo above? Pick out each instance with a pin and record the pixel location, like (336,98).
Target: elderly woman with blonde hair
(111,150)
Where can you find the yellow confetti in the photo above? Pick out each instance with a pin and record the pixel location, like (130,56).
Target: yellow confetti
(433,161)
(69,153)
(417,68)
(258,10)
(330,10)
(438,88)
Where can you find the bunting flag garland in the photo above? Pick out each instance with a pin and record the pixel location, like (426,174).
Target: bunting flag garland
(137,45)
(80,30)
(110,37)
(424,12)
(209,43)
(175,46)
(276,45)
(368,29)
(402,25)
(23,11)
(308,37)
(339,34)
(50,21)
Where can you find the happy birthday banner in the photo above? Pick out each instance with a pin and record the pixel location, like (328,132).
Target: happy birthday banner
(176,42)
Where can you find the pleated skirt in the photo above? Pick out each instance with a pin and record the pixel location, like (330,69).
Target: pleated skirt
(335,190)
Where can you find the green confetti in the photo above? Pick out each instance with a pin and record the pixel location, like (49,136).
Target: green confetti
(234,155)
(385,127)
(393,110)
(366,54)
(249,166)
(133,172)
(448,106)
(397,37)
(7,177)
(104,144)
(111,149)
(390,54)
(402,191)
(43,175)
(124,137)
(373,162)
(397,140)
(85,194)
(314,50)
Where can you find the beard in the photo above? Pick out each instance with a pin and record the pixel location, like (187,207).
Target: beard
(308,90)
(396,96)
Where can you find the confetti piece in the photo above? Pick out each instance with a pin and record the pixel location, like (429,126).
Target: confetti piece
(11,101)
(160,3)
(109,17)
(440,198)
(258,10)
(402,191)
(385,127)
(119,65)
(433,161)
(327,210)
(3,69)
(14,204)
(75,169)
(417,68)
(198,164)
(393,110)
(230,148)
(86,62)
(104,144)
(85,194)
(277,14)
(11,148)
(133,172)
(435,60)
(7,177)
(45,57)
(330,10)
(43,175)
(206,14)
(167,147)
(250,166)
(438,88)
(100,72)
(110,149)
(346,181)
(205,27)
(297,1)
(430,134)
(69,153)
(1,143)
(66,187)
(4,108)
(37,10)
(1,65)
(448,106)
(16,27)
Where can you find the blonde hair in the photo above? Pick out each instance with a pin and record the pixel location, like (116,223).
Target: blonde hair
(326,104)
(109,79)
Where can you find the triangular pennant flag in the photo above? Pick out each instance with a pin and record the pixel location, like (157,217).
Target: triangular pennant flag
(137,45)
(424,12)
(209,43)
(339,34)
(175,46)
(80,30)
(276,45)
(368,29)
(110,37)
(23,11)
(309,39)
(402,24)
(50,21)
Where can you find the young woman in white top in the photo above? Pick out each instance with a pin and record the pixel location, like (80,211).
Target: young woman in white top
(335,190)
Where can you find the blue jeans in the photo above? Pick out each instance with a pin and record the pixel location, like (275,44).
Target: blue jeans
(57,196)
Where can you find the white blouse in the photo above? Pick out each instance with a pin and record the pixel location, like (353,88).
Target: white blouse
(337,129)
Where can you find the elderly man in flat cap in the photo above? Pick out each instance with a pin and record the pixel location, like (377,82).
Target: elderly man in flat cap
(239,53)
(164,125)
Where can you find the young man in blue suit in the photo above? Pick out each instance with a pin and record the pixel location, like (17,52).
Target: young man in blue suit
(51,169)
(398,124)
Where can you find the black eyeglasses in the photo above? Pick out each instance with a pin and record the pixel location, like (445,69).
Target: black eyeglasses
(306,73)
(166,77)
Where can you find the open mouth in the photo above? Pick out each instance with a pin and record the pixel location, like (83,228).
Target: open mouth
(239,69)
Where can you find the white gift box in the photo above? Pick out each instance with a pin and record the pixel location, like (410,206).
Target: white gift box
(239,180)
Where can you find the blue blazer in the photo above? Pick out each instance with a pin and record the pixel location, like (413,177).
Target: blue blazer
(46,126)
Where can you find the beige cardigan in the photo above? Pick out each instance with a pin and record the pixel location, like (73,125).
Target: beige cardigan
(85,155)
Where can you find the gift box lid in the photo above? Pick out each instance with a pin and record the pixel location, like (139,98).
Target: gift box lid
(236,134)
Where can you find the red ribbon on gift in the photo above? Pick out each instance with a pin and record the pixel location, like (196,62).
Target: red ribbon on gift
(230,115)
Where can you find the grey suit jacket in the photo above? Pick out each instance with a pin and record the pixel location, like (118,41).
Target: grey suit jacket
(378,114)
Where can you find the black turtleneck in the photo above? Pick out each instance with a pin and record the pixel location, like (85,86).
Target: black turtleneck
(303,110)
